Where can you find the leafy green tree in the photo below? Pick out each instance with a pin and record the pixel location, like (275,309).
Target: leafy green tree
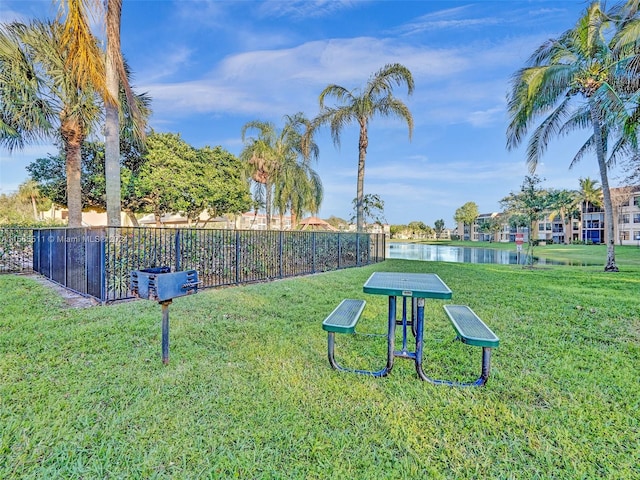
(224,188)
(439,227)
(360,106)
(372,210)
(395,230)
(491,226)
(569,83)
(466,215)
(49,174)
(530,204)
(417,228)
(165,181)
(177,178)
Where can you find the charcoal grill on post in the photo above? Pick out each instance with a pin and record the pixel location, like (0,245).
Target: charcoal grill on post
(162,285)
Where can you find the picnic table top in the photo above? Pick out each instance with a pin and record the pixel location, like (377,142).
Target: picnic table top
(420,285)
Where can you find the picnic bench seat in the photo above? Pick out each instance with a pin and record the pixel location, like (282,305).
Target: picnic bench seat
(473,331)
(344,317)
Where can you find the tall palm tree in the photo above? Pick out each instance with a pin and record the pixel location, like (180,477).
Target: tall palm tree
(564,84)
(590,193)
(279,164)
(588,196)
(298,187)
(562,204)
(109,78)
(41,98)
(359,106)
(626,49)
(30,192)
(260,157)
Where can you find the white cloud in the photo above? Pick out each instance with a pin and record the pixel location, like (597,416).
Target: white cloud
(304,8)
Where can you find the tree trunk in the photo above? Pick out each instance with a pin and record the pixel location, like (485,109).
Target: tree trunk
(35,208)
(74,186)
(267,203)
(112,121)
(604,180)
(362,155)
(132,217)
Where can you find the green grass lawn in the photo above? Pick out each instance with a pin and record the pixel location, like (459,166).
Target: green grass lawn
(249,392)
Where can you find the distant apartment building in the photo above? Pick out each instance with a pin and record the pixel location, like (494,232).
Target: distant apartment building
(628,214)
(589,228)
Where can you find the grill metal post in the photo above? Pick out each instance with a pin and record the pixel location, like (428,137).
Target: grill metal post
(165,331)
(160,284)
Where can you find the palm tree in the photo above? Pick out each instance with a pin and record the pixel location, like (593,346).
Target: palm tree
(108,78)
(626,49)
(30,192)
(298,187)
(562,204)
(359,106)
(589,196)
(278,163)
(564,85)
(41,98)
(260,156)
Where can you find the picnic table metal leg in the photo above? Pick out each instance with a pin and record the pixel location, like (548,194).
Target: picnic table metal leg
(391,333)
(331,345)
(414,316)
(486,357)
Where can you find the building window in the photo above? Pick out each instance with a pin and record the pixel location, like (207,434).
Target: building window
(636,218)
(636,201)
(624,235)
(636,235)
(624,218)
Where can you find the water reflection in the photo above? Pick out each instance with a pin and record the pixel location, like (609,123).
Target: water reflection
(446,253)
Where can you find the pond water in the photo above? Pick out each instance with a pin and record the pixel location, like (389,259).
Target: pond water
(446,253)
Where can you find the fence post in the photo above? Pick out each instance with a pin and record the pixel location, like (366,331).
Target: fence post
(280,252)
(177,249)
(106,237)
(313,252)
(237,257)
(35,254)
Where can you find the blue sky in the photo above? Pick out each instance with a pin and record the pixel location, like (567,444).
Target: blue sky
(210,67)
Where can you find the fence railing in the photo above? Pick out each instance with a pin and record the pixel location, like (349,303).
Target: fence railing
(97,261)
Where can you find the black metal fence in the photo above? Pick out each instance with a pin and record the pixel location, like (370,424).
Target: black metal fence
(97,261)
